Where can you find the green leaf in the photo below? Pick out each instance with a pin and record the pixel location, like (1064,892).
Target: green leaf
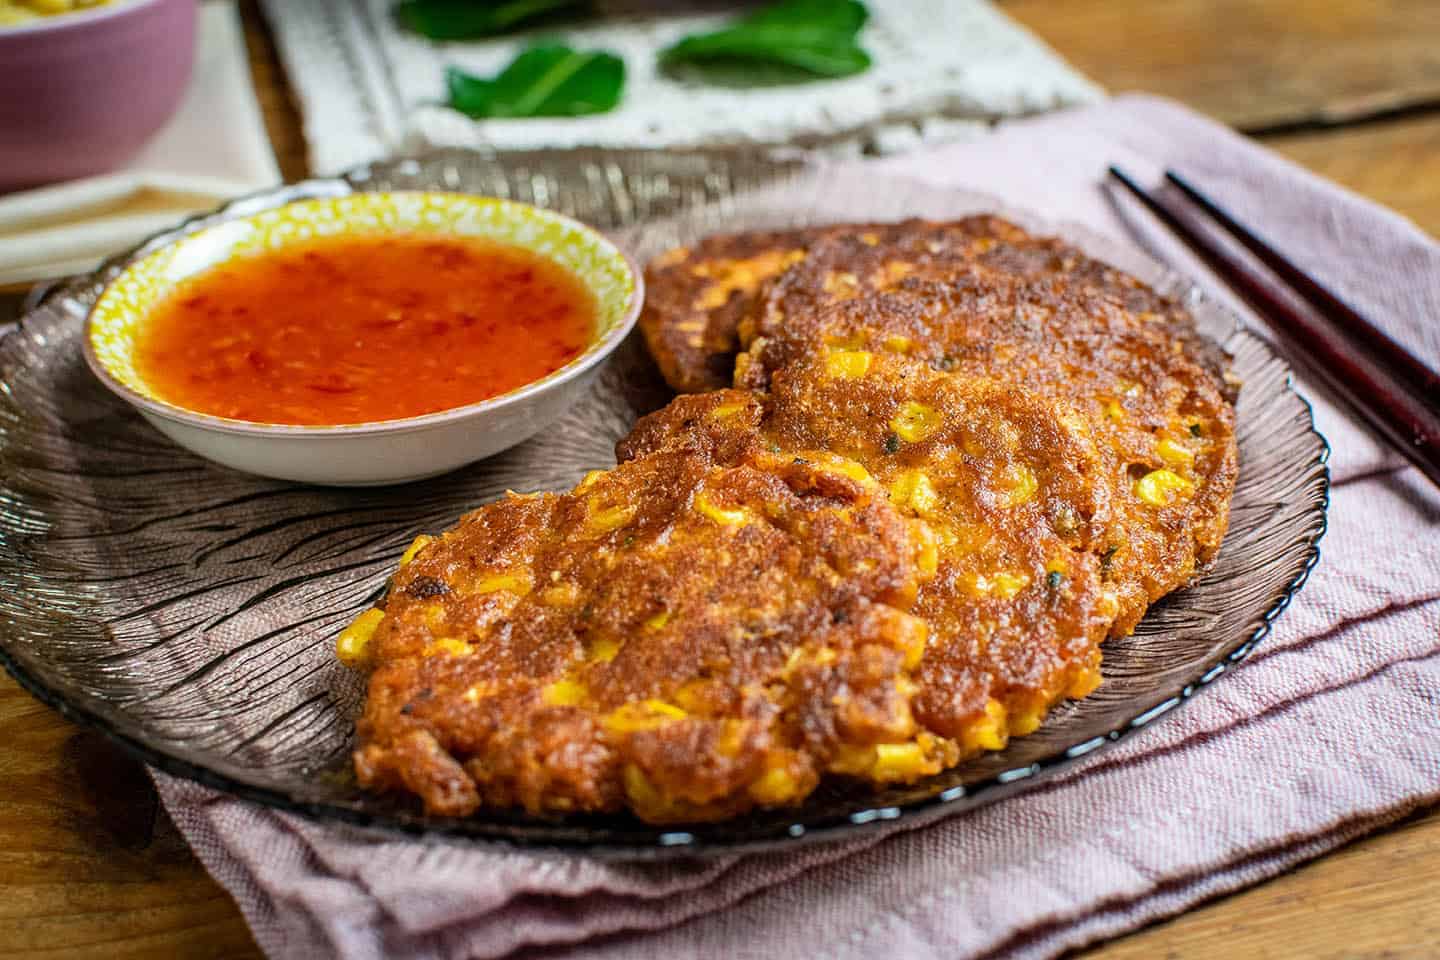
(545,80)
(793,39)
(468,19)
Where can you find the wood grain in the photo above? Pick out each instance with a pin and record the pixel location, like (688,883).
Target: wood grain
(90,866)
(277,101)
(1393,162)
(1252,63)
(1374,899)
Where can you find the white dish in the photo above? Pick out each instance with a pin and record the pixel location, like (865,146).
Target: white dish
(381,452)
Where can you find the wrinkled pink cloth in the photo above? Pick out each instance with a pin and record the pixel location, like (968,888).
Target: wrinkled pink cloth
(1331,729)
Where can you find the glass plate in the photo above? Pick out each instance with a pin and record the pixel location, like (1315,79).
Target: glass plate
(189,611)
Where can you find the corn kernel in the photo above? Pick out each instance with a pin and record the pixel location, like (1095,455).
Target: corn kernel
(899,761)
(563,693)
(802,656)
(1161,488)
(642,715)
(733,275)
(562,595)
(898,344)
(665,709)
(726,517)
(350,646)
(927,557)
(447,646)
(603,519)
(649,801)
(726,410)
(848,364)
(1027,721)
(518,583)
(692,698)
(991,731)
(1084,684)
(434,616)
(1002,584)
(641,792)
(1109,604)
(588,481)
(869,238)
(1174,454)
(1113,411)
(671,257)
(415,547)
(913,489)
(1006,585)
(841,283)
(915,421)
(658,621)
(828,462)
(602,649)
(775,787)
(893,272)
(1072,421)
(913,642)
(1019,485)
(796,658)
(745,362)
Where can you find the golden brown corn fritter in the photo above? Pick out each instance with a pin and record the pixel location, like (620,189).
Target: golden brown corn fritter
(957,457)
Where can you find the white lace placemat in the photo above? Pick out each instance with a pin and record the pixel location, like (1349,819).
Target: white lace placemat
(943,70)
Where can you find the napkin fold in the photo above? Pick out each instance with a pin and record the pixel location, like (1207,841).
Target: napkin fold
(1329,730)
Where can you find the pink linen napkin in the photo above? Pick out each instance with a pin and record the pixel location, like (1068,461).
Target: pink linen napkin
(1331,729)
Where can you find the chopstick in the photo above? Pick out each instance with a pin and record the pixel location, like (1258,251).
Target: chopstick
(1365,334)
(1392,408)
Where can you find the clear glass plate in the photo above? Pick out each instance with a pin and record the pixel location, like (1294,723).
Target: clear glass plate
(190,611)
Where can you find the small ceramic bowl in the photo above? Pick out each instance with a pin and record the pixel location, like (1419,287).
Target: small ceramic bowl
(82,92)
(382,452)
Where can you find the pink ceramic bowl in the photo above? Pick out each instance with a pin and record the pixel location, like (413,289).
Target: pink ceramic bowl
(81,93)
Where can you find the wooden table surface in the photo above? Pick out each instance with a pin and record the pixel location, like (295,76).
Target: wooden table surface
(90,867)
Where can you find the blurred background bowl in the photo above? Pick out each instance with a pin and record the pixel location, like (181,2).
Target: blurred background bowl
(81,93)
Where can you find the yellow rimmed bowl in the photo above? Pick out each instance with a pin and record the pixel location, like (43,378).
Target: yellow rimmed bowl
(387,451)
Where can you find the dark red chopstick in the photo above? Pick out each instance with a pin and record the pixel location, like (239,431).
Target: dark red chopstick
(1394,412)
(1366,336)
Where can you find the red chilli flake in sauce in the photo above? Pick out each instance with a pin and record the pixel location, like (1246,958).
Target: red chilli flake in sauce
(356,329)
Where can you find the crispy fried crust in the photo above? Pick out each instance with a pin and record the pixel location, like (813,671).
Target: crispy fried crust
(960,457)
(696,297)
(977,300)
(1011,491)
(980,257)
(678,636)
